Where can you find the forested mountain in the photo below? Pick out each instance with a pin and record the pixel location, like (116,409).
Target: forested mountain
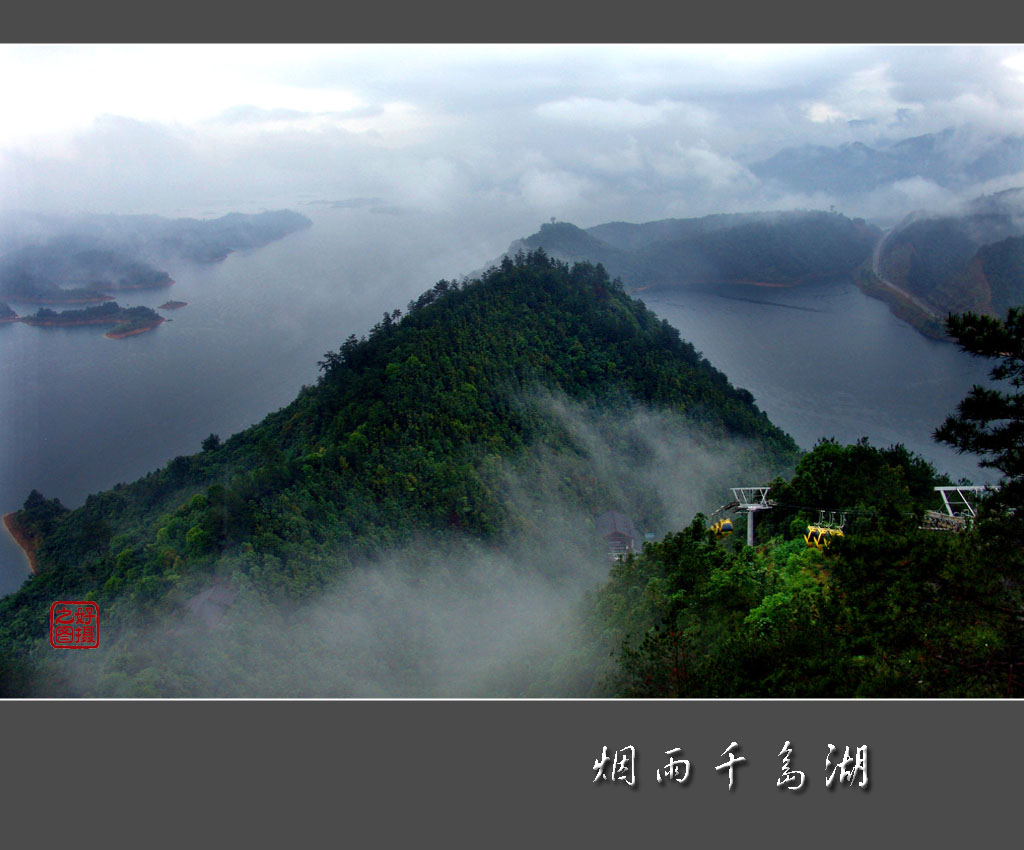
(776,248)
(970,261)
(443,425)
(421,522)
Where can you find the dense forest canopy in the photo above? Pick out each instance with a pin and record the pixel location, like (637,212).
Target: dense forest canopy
(892,607)
(414,436)
(889,609)
(110,312)
(420,522)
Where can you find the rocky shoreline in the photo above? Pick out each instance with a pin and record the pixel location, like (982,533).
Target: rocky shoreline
(116,334)
(29,544)
(902,307)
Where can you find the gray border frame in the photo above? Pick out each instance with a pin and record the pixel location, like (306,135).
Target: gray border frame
(531,21)
(502,773)
(499,773)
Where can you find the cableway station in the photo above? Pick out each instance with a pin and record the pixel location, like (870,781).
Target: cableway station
(960,502)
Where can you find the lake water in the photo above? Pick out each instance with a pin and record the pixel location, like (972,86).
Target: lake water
(81,413)
(825,360)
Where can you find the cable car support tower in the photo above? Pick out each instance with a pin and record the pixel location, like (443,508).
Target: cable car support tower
(960,512)
(750,500)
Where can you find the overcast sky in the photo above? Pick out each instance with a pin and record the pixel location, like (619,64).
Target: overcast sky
(584,133)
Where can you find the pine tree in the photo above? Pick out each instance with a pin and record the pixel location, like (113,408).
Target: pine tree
(989,422)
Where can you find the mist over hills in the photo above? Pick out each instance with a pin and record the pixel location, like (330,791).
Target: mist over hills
(73,268)
(501,413)
(954,159)
(63,258)
(971,259)
(420,522)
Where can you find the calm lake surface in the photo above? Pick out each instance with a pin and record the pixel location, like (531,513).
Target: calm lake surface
(81,413)
(828,361)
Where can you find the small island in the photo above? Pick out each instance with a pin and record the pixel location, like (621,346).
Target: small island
(172,305)
(7,314)
(135,326)
(127,321)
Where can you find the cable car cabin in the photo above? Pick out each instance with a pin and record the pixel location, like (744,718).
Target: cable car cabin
(722,528)
(819,537)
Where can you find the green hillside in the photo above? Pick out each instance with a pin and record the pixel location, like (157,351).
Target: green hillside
(859,584)
(958,263)
(1002,263)
(406,440)
(887,610)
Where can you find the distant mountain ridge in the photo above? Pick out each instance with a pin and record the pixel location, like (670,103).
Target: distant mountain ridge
(928,266)
(952,158)
(785,248)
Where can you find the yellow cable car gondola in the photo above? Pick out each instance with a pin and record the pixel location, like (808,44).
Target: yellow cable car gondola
(821,535)
(722,528)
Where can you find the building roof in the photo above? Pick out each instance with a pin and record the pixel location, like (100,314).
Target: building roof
(612,522)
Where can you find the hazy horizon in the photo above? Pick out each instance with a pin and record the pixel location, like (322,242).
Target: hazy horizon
(501,136)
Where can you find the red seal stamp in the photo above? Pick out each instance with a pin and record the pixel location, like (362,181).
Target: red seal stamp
(74,625)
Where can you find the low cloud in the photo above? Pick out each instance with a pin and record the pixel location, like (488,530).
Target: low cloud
(595,133)
(557,190)
(867,95)
(622,113)
(702,165)
(458,619)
